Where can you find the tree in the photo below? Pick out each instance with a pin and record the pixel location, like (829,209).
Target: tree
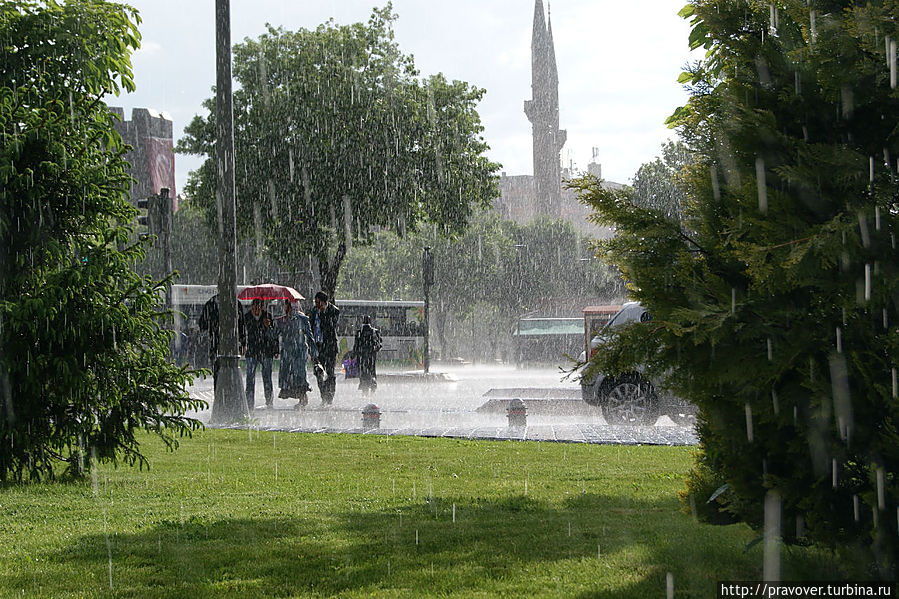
(656,183)
(83,358)
(488,276)
(336,138)
(774,300)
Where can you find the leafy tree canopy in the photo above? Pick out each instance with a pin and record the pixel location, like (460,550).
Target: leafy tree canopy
(775,299)
(336,137)
(83,359)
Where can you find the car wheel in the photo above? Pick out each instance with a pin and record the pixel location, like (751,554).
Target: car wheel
(630,399)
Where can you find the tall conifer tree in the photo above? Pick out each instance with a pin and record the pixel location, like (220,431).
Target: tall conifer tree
(776,298)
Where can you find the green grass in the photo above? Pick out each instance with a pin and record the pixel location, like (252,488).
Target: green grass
(248,513)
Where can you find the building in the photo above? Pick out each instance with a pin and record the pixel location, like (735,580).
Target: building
(526,197)
(542,111)
(152,160)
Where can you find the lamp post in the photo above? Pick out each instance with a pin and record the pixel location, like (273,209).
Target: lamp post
(427,264)
(518,302)
(230,404)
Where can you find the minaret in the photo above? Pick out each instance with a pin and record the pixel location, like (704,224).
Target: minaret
(543,112)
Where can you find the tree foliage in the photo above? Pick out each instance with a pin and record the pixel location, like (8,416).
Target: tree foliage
(656,183)
(336,137)
(491,274)
(774,300)
(83,359)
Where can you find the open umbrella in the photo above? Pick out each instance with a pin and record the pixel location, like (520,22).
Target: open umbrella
(270,291)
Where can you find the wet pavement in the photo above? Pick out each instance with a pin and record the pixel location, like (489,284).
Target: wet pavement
(456,401)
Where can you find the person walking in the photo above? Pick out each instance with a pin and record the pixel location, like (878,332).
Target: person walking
(260,345)
(209,323)
(295,331)
(323,319)
(366,346)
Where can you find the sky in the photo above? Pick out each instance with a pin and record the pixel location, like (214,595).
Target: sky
(618,66)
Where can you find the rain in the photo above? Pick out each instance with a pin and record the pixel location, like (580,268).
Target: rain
(329,233)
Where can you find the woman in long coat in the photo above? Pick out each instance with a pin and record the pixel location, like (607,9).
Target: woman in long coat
(296,343)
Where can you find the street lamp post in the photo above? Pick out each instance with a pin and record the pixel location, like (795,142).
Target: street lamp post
(518,303)
(230,404)
(427,262)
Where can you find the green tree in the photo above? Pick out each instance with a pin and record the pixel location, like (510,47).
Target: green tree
(774,301)
(656,183)
(83,358)
(336,137)
(487,276)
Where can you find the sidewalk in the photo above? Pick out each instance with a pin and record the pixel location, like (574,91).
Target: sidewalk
(447,406)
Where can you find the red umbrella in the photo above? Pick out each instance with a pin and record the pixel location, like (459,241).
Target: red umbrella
(270,291)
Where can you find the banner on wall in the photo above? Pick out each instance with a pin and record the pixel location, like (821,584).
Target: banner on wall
(161,165)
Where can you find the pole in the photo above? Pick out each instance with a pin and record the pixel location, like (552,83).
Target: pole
(165,238)
(230,404)
(427,261)
(163,206)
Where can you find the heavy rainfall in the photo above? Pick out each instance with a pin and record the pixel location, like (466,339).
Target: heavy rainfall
(347,343)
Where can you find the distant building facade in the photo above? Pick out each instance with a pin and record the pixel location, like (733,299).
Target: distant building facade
(526,197)
(152,159)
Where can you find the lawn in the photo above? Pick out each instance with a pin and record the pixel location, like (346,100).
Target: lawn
(256,513)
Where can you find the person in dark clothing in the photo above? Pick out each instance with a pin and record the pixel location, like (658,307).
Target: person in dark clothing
(259,339)
(323,318)
(366,347)
(209,323)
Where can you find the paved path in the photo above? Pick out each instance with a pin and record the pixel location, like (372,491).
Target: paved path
(440,409)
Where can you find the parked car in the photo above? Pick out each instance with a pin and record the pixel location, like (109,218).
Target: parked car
(628,397)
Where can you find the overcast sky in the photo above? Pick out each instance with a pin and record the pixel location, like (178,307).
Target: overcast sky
(618,66)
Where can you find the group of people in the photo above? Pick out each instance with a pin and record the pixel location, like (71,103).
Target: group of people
(293,337)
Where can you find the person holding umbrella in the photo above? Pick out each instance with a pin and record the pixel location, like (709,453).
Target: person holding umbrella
(260,345)
(295,331)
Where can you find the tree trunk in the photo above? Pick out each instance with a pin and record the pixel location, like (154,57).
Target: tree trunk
(328,270)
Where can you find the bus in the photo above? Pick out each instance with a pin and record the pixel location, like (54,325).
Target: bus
(401,323)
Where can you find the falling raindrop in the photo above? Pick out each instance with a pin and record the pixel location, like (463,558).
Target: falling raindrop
(867,282)
(833,468)
(669,585)
(881,498)
(839,340)
(855,508)
(108,549)
(770,350)
(716,190)
(892,59)
(733,300)
(454,513)
(749,422)
(771,552)
(895,383)
(762,185)
(863,229)
(774,402)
